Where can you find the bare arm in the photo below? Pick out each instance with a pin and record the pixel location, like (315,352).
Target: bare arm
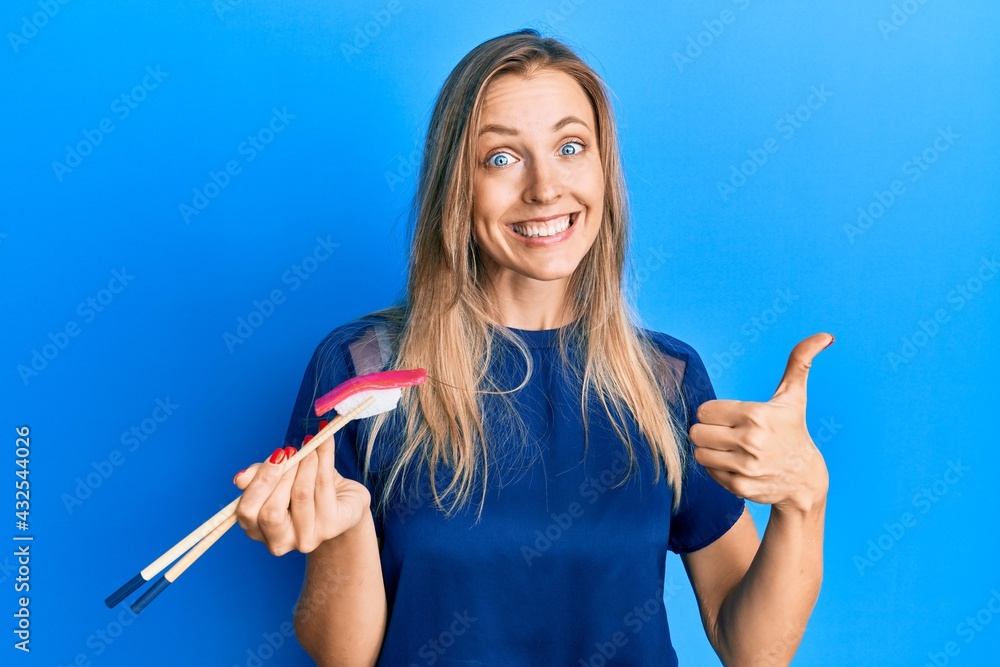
(756,596)
(340,617)
(755,600)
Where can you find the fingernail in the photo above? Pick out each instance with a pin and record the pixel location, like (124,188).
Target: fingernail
(831,341)
(238,474)
(306,439)
(322,424)
(290,452)
(278,456)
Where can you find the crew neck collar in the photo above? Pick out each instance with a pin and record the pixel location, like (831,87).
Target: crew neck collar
(538,338)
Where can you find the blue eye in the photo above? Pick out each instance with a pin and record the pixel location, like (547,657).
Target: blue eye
(503,161)
(571,143)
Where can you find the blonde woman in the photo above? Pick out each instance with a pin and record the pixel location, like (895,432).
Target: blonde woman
(518,507)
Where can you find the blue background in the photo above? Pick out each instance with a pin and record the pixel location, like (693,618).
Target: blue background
(699,94)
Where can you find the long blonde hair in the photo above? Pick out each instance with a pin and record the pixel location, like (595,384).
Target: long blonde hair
(445,323)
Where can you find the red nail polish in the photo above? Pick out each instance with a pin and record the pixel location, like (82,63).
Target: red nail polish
(290,452)
(322,424)
(307,439)
(238,474)
(278,456)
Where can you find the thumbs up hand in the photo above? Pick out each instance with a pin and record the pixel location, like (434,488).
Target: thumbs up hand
(763,451)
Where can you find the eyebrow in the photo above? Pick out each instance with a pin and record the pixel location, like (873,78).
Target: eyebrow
(503,129)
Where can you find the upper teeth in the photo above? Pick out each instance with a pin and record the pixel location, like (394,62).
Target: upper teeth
(547,228)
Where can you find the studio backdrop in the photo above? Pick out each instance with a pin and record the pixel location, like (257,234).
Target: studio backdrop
(195,193)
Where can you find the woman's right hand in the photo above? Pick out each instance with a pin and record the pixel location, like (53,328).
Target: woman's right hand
(302,508)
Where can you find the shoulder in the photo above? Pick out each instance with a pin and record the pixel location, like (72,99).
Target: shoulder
(680,359)
(680,355)
(667,344)
(382,322)
(349,350)
(364,345)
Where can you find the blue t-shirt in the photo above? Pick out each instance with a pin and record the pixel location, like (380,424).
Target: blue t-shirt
(564,567)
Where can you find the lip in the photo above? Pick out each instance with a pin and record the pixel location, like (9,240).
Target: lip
(546,240)
(551,217)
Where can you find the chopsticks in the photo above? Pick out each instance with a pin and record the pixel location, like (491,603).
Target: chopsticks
(170,576)
(198,541)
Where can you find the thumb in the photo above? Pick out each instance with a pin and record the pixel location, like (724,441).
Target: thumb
(793,382)
(244,477)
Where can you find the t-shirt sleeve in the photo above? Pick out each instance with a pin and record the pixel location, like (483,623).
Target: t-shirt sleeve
(329,366)
(707,510)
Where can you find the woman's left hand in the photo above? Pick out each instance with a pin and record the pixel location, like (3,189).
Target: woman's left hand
(763,451)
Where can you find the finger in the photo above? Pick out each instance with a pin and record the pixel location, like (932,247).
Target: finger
(326,483)
(326,467)
(274,518)
(719,460)
(792,387)
(302,504)
(353,499)
(722,438)
(244,477)
(721,412)
(255,493)
(727,479)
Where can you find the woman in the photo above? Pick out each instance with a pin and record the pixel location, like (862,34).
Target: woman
(517,508)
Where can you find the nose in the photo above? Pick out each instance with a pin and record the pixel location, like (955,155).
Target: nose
(544,182)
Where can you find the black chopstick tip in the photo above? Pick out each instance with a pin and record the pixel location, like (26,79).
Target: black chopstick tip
(130,587)
(150,594)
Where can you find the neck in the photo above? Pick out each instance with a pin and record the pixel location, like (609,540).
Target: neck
(534,305)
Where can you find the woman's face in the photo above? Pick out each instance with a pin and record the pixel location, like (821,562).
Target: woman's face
(539,184)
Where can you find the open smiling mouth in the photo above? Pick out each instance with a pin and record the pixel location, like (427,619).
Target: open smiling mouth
(553,227)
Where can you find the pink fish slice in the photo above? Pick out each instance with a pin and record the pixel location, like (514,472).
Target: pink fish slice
(386,387)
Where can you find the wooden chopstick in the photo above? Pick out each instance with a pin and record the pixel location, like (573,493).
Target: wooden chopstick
(222,521)
(170,576)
